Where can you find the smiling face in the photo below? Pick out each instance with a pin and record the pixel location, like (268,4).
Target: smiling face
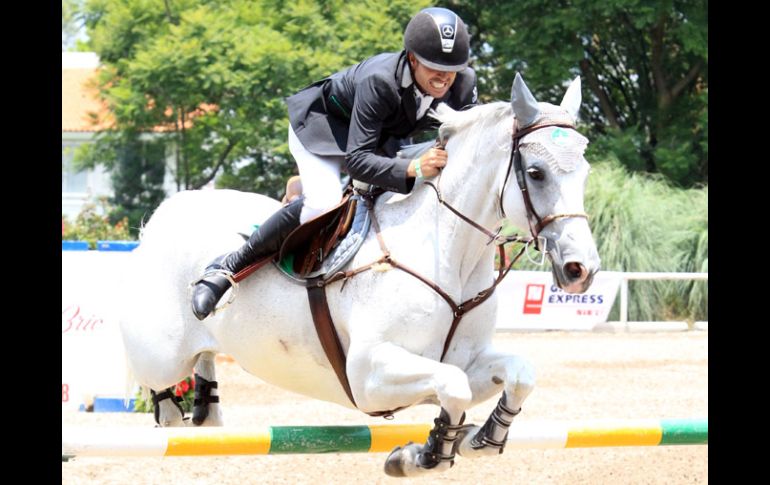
(431,82)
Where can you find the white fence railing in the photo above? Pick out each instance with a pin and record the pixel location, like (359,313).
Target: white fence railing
(625,277)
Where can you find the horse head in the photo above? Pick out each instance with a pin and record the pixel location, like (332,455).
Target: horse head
(548,167)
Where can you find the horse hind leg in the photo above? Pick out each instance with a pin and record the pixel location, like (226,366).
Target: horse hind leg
(166,408)
(166,405)
(490,372)
(206,410)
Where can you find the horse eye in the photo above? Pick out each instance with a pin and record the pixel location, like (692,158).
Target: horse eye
(535,173)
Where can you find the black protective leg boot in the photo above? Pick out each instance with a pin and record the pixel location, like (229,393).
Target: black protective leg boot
(266,239)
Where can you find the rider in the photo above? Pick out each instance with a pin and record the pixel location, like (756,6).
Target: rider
(354,120)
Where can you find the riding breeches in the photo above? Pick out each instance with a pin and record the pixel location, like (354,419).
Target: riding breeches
(320,179)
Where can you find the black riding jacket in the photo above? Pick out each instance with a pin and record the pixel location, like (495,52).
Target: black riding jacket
(362,114)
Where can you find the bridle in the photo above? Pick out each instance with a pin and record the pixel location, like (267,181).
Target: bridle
(516,163)
(335,353)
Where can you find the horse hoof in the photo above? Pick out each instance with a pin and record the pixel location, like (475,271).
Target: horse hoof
(393,465)
(402,461)
(466,449)
(405,462)
(200,413)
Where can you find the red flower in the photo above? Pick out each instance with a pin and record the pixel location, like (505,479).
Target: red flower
(184,386)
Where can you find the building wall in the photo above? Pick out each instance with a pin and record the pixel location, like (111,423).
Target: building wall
(78,102)
(80,187)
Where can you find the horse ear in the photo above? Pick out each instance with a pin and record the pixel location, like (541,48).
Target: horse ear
(524,104)
(572,98)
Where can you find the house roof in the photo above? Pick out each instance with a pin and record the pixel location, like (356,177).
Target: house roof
(82,110)
(79,102)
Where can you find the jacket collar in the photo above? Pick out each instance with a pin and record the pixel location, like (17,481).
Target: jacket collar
(403,73)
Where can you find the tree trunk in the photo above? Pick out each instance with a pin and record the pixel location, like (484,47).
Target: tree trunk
(604,101)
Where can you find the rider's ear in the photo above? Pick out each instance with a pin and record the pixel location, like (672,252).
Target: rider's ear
(412,60)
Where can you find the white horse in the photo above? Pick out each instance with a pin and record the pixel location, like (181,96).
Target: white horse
(391,325)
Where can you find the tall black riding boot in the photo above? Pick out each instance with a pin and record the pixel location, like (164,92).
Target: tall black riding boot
(266,239)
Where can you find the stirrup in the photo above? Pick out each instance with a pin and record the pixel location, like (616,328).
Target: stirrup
(225,274)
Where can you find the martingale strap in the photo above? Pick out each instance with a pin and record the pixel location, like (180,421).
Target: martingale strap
(327,333)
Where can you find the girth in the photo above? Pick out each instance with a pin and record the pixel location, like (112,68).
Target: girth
(327,333)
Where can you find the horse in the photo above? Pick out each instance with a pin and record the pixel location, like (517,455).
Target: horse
(516,160)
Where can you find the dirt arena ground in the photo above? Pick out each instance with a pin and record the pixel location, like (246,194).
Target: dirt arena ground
(579,376)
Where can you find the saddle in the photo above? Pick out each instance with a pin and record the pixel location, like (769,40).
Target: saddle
(321,245)
(306,249)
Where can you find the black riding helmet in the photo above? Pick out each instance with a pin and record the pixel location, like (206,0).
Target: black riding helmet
(438,38)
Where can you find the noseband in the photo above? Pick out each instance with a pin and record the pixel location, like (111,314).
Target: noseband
(521,179)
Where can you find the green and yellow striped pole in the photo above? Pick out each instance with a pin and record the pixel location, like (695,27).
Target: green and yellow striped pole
(78,441)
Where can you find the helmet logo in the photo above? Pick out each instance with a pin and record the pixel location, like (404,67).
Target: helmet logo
(447,37)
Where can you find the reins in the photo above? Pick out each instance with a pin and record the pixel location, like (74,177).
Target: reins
(332,346)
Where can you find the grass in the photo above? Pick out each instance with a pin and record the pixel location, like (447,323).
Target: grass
(641,223)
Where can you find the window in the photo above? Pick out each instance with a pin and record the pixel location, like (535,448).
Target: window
(71,181)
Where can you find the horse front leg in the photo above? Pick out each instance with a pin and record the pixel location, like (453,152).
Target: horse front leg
(386,377)
(489,372)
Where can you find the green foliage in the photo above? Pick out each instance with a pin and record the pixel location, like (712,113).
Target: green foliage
(641,223)
(214,74)
(137,169)
(92,225)
(70,23)
(623,146)
(644,67)
(184,389)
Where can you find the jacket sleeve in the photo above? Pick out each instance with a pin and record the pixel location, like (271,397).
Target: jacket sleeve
(375,100)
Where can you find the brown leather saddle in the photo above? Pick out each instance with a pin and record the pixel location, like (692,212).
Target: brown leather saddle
(304,249)
(307,246)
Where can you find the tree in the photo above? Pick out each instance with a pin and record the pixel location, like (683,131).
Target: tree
(70,23)
(212,75)
(137,167)
(644,67)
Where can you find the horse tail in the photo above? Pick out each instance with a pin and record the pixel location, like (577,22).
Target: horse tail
(131,384)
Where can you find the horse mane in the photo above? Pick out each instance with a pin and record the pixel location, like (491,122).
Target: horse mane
(478,122)
(479,117)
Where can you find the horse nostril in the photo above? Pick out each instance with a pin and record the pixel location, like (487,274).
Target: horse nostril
(574,271)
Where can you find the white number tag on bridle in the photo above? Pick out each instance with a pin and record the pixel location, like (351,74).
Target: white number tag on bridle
(540,258)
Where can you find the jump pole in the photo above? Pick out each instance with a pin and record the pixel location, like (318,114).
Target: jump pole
(271,440)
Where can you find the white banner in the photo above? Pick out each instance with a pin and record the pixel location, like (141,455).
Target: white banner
(93,361)
(530,300)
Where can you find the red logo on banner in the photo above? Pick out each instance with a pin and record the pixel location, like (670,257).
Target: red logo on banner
(533,298)
(73,320)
